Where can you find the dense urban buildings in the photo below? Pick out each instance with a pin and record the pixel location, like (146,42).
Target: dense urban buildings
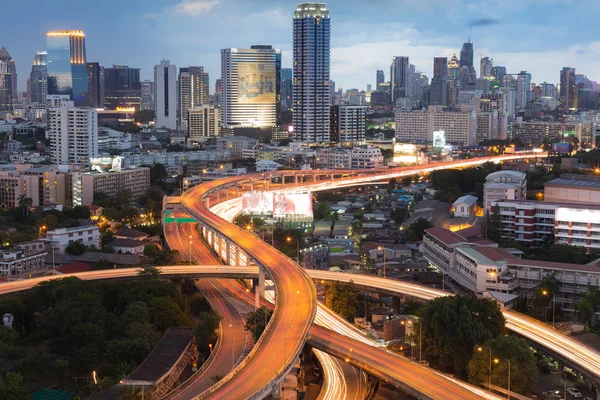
(67,66)
(251,88)
(38,78)
(73,134)
(95,85)
(203,123)
(122,88)
(311,94)
(87,184)
(193,91)
(8,80)
(165,100)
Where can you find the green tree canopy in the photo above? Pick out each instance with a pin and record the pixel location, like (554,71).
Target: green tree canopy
(257,321)
(343,299)
(76,248)
(416,230)
(523,366)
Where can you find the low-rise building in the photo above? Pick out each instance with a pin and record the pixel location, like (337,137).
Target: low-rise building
(464,206)
(87,184)
(571,188)
(235,144)
(59,239)
(504,185)
(14,263)
(127,246)
(267,166)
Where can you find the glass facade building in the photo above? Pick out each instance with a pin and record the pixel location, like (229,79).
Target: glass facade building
(67,65)
(311,93)
(38,78)
(122,87)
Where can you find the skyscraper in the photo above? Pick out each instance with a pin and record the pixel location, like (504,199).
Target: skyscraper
(498,72)
(379,79)
(523,89)
(73,134)
(148,95)
(38,78)
(437,90)
(165,107)
(568,89)
(251,85)
(311,94)
(8,80)
(440,67)
(193,91)
(122,87)
(67,65)
(466,54)
(399,71)
(287,88)
(485,67)
(95,84)
(454,67)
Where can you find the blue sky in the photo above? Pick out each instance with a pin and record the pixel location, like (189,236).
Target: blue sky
(540,36)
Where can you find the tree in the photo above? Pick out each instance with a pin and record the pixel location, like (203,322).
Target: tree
(588,305)
(77,212)
(25,204)
(165,313)
(453,325)
(416,230)
(492,228)
(523,366)
(322,211)
(151,251)
(257,321)
(47,223)
(392,185)
(398,215)
(12,388)
(343,299)
(76,248)
(158,173)
(106,238)
(149,271)
(206,330)
(243,220)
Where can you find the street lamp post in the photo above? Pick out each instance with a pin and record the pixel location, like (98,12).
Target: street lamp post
(490,372)
(545,293)
(380,248)
(232,347)
(496,360)
(190,249)
(289,240)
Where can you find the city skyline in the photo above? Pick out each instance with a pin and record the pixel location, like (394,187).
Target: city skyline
(187,32)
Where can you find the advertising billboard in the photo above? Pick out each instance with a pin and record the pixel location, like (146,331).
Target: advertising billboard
(256,83)
(439,139)
(106,164)
(561,147)
(257,203)
(291,204)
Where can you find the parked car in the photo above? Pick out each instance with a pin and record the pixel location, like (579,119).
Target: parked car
(574,392)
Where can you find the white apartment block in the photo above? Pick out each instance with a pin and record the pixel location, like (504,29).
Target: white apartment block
(204,123)
(176,159)
(85,185)
(15,263)
(504,185)
(73,134)
(59,239)
(361,157)
(348,124)
(165,107)
(418,126)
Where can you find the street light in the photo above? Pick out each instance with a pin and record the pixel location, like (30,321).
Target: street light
(545,293)
(497,361)
(480,349)
(379,248)
(190,249)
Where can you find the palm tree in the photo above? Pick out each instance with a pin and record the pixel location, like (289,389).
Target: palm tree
(588,305)
(24,203)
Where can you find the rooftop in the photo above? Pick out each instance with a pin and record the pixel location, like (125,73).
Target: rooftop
(131,233)
(513,174)
(579,181)
(445,236)
(468,199)
(125,243)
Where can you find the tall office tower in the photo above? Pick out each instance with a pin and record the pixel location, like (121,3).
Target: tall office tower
(523,89)
(251,84)
(453,67)
(218,92)
(67,65)
(148,95)
(73,134)
(204,122)
(440,67)
(498,72)
(399,71)
(95,85)
(8,80)
(122,87)
(287,88)
(380,78)
(548,90)
(311,94)
(193,91)
(568,89)
(466,54)
(38,78)
(485,67)
(165,107)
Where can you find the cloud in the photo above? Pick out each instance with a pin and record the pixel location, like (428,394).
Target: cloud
(195,7)
(484,22)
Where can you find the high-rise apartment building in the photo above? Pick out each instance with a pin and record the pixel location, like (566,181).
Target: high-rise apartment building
(287,88)
(438,89)
(38,78)
(548,90)
(498,72)
(399,71)
(419,126)
(204,122)
(251,84)
(379,79)
(312,97)
(67,65)
(122,87)
(8,81)
(523,89)
(193,91)
(348,124)
(440,67)
(95,84)
(73,134)
(165,107)
(568,89)
(148,95)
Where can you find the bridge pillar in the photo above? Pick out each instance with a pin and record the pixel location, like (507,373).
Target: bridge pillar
(259,290)
(396,305)
(218,201)
(207,202)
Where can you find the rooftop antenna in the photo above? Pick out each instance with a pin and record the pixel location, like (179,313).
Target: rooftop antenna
(470,29)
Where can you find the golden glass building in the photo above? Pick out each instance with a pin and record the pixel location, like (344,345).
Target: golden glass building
(67,65)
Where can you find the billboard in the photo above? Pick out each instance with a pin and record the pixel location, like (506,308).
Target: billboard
(439,139)
(257,203)
(288,204)
(106,164)
(256,83)
(561,147)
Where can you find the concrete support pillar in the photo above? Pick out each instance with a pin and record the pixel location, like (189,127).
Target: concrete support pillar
(207,202)
(261,283)
(396,305)
(227,194)
(218,201)
(237,191)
